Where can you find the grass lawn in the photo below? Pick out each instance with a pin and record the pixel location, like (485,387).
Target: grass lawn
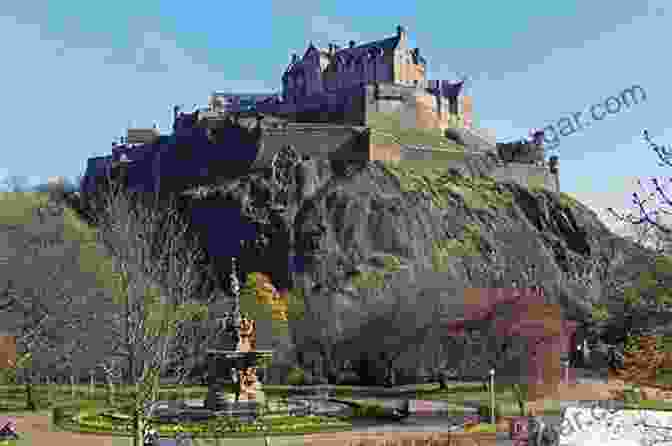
(386,129)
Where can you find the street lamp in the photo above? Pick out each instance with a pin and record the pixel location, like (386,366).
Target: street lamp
(565,364)
(492,396)
(231,321)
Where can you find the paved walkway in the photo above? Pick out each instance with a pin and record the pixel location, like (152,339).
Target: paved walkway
(37,429)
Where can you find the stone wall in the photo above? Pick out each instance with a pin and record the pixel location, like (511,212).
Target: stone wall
(351,105)
(527,175)
(315,140)
(342,106)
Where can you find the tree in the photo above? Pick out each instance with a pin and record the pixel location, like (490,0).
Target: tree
(318,333)
(521,393)
(159,277)
(643,357)
(435,344)
(46,298)
(633,300)
(386,332)
(650,216)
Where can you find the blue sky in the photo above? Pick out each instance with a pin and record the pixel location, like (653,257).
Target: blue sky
(75,73)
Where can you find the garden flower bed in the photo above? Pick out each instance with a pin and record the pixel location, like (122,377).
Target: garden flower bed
(117,422)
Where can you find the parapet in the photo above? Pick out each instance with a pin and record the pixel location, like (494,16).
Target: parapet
(524,152)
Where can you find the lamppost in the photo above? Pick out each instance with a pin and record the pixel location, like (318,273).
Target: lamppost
(565,365)
(232,320)
(492,396)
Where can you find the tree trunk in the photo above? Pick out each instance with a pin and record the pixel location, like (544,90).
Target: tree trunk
(131,369)
(110,391)
(30,402)
(50,390)
(521,407)
(443,385)
(138,418)
(390,378)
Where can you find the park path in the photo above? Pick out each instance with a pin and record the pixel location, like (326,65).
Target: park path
(36,428)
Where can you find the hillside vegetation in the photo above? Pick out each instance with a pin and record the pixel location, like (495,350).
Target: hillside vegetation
(22,210)
(386,128)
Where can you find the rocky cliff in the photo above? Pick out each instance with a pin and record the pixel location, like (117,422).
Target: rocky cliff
(354,236)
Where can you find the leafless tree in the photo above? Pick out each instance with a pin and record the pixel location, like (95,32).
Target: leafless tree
(389,330)
(45,300)
(158,266)
(654,204)
(435,344)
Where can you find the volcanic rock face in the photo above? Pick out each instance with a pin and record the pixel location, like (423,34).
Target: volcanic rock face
(354,236)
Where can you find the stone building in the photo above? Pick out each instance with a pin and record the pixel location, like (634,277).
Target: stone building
(322,70)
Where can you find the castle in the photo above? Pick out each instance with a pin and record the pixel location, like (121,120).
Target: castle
(344,85)
(322,70)
(330,103)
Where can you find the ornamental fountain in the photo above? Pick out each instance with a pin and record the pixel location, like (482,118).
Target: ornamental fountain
(235,360)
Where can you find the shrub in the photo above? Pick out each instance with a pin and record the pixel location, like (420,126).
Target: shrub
(481,428)
(57,415)
(484,411)
(296,377)
(370,410)
(632,396)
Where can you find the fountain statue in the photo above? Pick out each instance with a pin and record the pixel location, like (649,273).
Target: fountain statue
(236,352)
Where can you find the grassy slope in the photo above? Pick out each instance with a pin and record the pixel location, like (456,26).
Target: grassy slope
(18,208)
(386,129)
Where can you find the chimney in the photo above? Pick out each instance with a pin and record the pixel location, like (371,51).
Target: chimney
(352,44)
(401,32)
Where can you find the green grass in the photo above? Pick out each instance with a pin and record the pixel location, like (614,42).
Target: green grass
(19,208)
(664,377)
(392,264)
(368,280)
(651,405)
(443,250)
(386,129)
(476,192)
(483,428)
(118,423)
(567,200)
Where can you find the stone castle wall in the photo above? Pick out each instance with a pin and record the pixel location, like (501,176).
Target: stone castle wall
(315,140)
(527,175)
(417,107)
